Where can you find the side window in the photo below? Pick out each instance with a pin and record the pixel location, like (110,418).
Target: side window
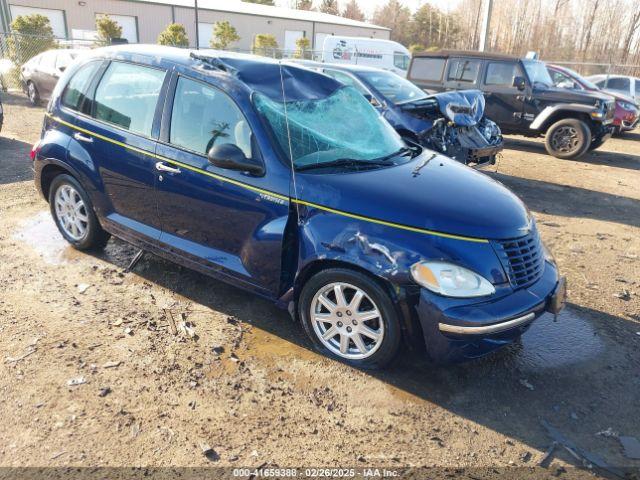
(463,70)
(501,73)
(563,81)
(400,60)
(204,116)
(77,89)
(127,96)
(619,84)
(427,69)
(347,80)
(601,83)
(637,87)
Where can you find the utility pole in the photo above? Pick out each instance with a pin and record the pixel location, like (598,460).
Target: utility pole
(197,27)
(486,23)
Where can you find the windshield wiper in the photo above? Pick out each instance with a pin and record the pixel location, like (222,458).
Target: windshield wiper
(399,153)
(350,162)
(342,162)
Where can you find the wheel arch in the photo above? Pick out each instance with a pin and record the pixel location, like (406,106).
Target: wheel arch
(49,172)
(551,115)
(400,296)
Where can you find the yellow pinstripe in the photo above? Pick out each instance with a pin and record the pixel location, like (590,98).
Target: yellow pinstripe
(268,192)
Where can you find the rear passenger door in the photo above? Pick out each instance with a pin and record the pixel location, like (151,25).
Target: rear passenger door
(118,137)
(504,102)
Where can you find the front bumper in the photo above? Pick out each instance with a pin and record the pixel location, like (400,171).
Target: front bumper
(468,331)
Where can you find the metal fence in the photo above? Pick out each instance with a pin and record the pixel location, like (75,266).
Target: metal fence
(589,68)
(17,49)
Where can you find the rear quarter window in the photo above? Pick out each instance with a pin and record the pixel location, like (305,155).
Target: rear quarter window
(77,90)
(428,69)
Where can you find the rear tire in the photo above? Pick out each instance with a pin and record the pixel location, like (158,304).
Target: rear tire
(33,94)
(568,138)
(359,313)
(73,213)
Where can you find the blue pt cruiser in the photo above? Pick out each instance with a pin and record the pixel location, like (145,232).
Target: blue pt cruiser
(289,184)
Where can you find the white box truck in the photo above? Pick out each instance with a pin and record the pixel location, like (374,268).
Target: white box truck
(372,52)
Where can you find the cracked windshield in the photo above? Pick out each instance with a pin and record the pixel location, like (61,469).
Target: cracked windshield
(320,133)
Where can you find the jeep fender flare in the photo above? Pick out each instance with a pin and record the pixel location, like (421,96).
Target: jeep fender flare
(549,112)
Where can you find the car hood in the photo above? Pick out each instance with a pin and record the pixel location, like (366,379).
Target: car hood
(431,192)
(565,95)
(464,108)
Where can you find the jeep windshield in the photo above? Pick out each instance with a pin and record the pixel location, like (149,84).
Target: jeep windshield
(538,73)
(394,88)
(340,131)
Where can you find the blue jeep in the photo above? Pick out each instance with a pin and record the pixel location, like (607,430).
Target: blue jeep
(287,183)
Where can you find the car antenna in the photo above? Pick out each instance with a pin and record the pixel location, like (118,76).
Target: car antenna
(293,170)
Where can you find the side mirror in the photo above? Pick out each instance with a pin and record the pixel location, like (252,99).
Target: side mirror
(519,82)
(231,157)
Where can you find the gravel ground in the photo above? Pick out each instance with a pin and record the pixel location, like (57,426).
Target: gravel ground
(91,374)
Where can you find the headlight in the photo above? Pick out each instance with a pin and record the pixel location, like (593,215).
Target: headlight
(626,105)
(450,280)
(547,254)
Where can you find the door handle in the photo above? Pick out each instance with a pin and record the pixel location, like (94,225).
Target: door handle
(162,167)
(81,138)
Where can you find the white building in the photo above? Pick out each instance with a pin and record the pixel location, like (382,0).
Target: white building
(143,20)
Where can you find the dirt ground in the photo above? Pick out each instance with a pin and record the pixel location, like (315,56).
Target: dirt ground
(249,384)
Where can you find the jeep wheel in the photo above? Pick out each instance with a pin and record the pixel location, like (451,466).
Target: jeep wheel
(568,138)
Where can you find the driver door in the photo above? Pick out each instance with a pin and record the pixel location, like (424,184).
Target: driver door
(207,216)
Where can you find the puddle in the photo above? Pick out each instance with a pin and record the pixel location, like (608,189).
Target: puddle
(41,234)
(548,344)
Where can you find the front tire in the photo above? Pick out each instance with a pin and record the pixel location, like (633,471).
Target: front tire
(73,213)
(568,138)
(350,317)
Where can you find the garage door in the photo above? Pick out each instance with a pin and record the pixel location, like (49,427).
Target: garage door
(205,32)
(129,26)
(56,17)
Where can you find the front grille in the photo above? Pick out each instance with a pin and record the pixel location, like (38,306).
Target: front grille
(522,258)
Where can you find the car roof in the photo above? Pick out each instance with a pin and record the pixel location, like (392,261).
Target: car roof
(466,53)
(261,74)
(337,66)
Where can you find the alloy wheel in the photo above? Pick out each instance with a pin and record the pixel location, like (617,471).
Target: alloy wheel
(347,321)
(71,212)
(32,92)
(565,139)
